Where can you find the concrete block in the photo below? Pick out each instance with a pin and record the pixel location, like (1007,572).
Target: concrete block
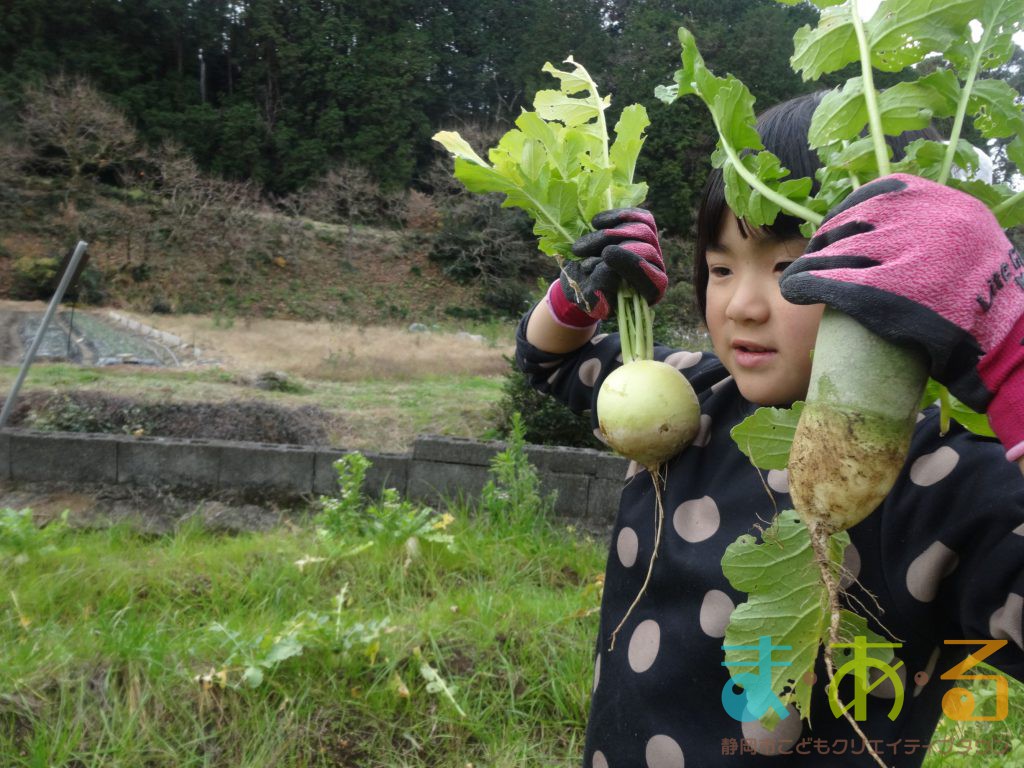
(268,466)
(455,450)
(63,457)
(5,455)
(168,461)
(610,466)
(559,459)
(603,501)
(387,470)
(572,493)
(432,482)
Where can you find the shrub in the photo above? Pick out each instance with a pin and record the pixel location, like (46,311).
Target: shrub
(545,421)
(34,278)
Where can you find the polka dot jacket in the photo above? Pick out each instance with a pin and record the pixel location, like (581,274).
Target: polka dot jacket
(941,559)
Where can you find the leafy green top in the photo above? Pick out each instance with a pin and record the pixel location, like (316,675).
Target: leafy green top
(557,164)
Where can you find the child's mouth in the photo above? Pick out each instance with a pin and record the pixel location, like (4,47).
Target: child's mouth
(750,355)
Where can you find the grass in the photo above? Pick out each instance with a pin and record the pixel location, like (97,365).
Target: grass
(342,352)
(329,644)
(108,637)
(379,415)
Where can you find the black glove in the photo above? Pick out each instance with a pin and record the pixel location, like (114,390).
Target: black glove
(624,247)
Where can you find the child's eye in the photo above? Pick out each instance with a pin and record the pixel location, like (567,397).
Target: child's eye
(781,266)
(719,271)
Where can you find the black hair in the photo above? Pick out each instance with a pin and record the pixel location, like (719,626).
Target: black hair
(783,130)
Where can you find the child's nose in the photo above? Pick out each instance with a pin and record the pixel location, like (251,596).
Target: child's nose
(749,302)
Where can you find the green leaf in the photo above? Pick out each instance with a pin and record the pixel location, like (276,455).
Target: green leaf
(283,648)
(925,158)
(903,32)
(842,114)
(996,112)
(1015,152)
(1003,18)
(786,602)
(766,435)
(994,195)
(910,106)
(556,164)
(971,420)
(629,139)
(252,677)
(828,47)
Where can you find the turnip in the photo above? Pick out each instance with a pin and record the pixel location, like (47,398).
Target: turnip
(854,431)
(559,166)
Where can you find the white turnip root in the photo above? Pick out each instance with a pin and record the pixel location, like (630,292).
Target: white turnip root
(851,441)
(648,412)
(854,432)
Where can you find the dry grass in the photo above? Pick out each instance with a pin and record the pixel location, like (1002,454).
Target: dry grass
(335,352)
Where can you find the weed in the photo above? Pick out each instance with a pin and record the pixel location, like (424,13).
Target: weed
(353,522)
(512,499)
(21,538)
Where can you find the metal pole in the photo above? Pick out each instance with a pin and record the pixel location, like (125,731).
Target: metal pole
(50,310)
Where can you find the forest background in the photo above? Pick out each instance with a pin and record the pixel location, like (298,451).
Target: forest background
(267,159)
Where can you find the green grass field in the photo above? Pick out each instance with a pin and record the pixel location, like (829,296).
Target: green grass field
(332,642)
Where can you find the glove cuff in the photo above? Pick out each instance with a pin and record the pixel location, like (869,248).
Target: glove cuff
(1002,371)
(564,312)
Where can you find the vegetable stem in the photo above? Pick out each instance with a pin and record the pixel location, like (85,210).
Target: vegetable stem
(1008,203)
(781,200)
(965,96)
(870,95)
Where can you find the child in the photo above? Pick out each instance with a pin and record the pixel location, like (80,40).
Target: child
(942,555)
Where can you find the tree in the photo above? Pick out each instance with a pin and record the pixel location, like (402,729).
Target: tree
(69,124)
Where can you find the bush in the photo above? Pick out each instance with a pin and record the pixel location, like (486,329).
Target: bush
(545,420)
(34,278)
(511,499)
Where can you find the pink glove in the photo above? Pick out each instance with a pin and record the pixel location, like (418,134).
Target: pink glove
(920,263)
(624,246)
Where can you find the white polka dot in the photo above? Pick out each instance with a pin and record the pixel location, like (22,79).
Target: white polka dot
(682,360)
(598,338)
(928,569)
(715,610)
(932,467)
(664,752)
(704,433)
(597,673)
(929,669)
(920,417)
(600,435)
(1019,530)
(697,519)
(633,468)
(589,371)
(627,546)
(778,480)
(1005,623)
(643,645)
(599,760)
(784,737)
(551,364)
(885,689)
(851,566)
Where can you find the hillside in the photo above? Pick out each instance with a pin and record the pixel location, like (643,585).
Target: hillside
(151,254)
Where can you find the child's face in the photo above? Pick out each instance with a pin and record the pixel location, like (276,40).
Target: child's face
(764,341)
